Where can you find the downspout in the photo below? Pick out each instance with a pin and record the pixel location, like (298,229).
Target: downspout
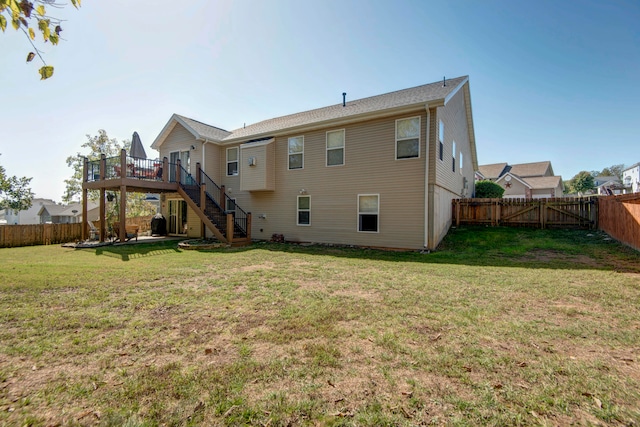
(426,179)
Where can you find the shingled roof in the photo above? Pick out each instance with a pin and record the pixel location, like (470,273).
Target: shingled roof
(526,170)
(492,171)
(543,182)
(392,102)
(416,96)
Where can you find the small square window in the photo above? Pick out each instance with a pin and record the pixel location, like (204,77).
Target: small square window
(296,152)
(408,138)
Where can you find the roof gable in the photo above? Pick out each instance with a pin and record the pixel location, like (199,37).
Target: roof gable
(199,130)
(526,170)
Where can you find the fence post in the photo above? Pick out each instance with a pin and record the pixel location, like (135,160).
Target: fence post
(165,169)
(249,225)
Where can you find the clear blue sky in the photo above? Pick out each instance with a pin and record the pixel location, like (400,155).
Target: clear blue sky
(550,80)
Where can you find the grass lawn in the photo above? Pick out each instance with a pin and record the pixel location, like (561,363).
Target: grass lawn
(498,327)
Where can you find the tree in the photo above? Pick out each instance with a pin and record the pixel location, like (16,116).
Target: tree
(110,147)
(488,190)
(15,192)
(581,182)
(29,16)
(613,170)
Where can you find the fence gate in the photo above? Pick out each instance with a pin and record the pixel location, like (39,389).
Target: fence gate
(539,213)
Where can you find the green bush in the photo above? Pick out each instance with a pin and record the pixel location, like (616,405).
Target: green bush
(488,190)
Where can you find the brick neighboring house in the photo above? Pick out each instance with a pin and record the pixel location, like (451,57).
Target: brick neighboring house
(525,180)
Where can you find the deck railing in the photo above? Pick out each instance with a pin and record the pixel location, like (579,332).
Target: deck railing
(136,167)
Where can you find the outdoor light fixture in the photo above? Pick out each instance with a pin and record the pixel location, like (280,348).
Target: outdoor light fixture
(110,197)
(193,147)
(303,191)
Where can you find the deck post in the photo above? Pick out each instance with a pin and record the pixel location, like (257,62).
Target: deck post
(84,234)
(165,170)
(178,167)
(123,164)
(198,173)
(249,226)
(103,217)
(229,228)
(123,213)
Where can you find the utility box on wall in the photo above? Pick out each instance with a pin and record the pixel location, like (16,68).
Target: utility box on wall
(257,160)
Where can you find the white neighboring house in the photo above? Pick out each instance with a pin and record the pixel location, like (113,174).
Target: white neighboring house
(607,185)
(27,216)
(631,178)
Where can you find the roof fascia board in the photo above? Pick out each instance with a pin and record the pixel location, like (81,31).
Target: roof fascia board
(166,130)
(454,91)
(333,122)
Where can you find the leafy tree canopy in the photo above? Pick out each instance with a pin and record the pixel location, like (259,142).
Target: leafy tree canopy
(31,16)
(581,182)
(94,147)
(486,189)
(15,192)
(613,170)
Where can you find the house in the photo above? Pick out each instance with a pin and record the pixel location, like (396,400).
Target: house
(375,172)
(66,214)
(525,180)
(27,216)
(631,178)
(607,185)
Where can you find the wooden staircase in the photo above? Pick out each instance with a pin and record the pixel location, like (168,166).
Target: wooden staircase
(213,217)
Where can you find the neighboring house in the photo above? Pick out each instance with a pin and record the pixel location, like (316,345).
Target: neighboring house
(525,180)
(67,214)
(631,178)
(607,185)
(377,172)
(27,216)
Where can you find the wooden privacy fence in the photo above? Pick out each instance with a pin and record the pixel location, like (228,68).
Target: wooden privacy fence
(540,213)
(619,217)
(38,234)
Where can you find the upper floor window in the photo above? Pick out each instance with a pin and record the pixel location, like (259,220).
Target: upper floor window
(453,157)
(296,152)
(304,210)
(408,138)
(368,212)
(335,148)
(461,162)
(232,161)
(441,141)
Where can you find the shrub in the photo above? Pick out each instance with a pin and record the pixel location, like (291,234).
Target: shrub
(488,190)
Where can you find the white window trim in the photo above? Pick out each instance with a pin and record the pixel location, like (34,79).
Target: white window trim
(441,140)
(288,154)
(344,143)
(298,210)
(404,139)
(236,161)
(461,162)
(377,214)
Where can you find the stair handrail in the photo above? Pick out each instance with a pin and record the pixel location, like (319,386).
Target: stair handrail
(240,215)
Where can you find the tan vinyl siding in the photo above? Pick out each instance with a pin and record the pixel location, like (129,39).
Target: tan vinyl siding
(517,189)
(180,139)
(442,213)
(214,154)
(455,123)
(370,168)
(261,176)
